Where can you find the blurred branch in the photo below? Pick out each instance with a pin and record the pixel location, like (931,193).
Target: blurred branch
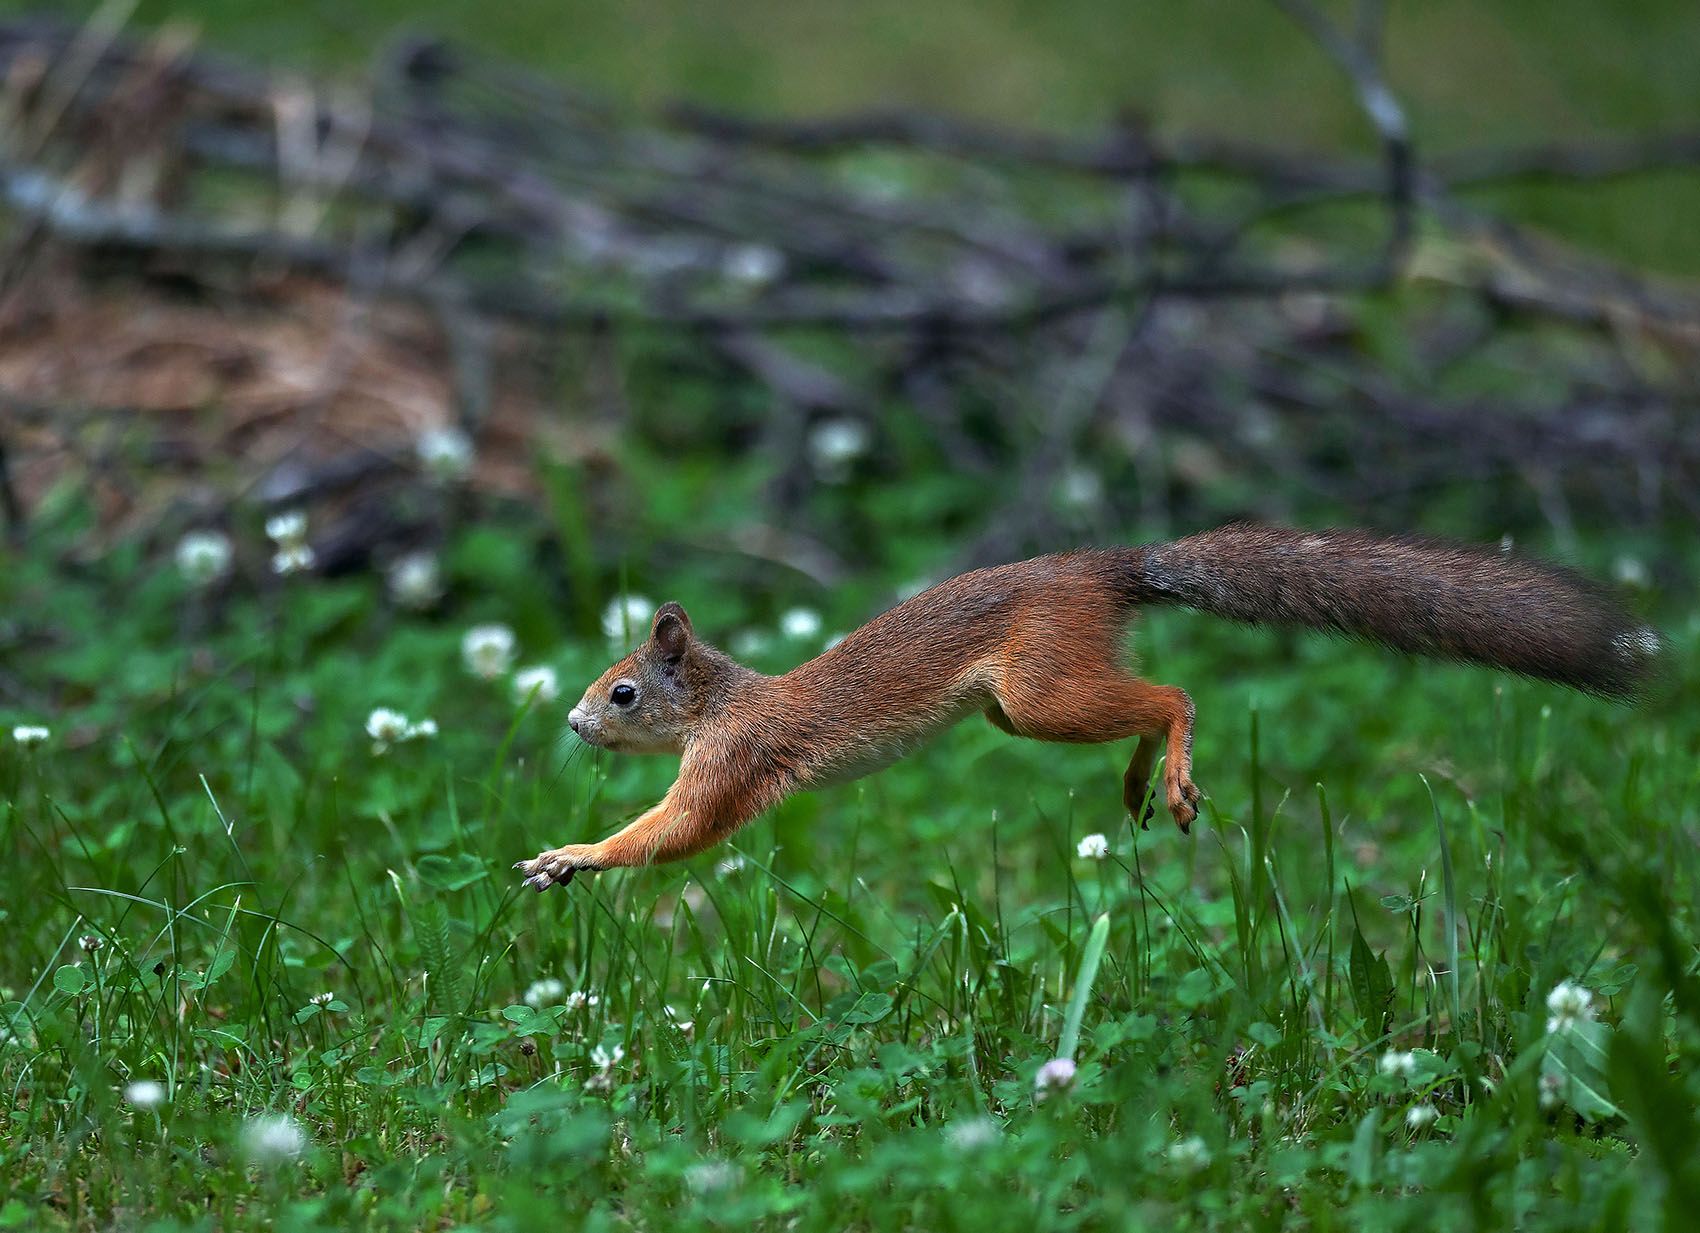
(10,506)
(1359,60)
(1120,155)
(68,216)
(1579,161)
(979,287)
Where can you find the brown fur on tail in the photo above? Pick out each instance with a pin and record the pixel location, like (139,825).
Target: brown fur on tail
(1427,597)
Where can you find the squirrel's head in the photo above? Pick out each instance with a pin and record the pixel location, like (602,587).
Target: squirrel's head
(647,702)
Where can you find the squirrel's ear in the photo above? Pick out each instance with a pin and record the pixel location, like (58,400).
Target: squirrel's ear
(671,631)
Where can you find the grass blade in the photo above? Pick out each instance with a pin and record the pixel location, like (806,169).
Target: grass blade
(1450,895)
(1089,961)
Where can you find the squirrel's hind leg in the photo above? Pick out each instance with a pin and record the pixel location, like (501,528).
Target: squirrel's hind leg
(1137,782)
(1093,708)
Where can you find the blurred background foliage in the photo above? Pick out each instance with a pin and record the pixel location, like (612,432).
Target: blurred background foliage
(1508,377)
(1472,74)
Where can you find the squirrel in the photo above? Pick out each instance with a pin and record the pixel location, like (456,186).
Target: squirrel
(1036,647)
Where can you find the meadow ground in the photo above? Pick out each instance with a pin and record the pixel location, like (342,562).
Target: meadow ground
(257,969)
(1428,959)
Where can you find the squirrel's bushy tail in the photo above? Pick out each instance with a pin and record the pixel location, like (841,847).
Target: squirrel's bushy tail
(1423,596)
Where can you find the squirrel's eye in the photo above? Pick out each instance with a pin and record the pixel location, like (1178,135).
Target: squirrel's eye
(623,695)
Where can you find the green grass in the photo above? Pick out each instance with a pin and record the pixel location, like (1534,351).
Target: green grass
(1397,864)
(871,994)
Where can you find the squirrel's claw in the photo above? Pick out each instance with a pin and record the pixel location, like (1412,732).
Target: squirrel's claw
(555,868)
(543,879)
(1183,804)
(537,879)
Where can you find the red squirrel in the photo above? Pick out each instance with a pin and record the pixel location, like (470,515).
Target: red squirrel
(1036,648)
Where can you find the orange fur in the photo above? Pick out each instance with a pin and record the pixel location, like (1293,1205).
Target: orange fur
(1037,647)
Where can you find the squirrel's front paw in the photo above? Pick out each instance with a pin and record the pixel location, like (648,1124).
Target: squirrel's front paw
(557,866)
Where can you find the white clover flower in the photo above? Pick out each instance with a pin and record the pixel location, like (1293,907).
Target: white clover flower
(1421,1117)
(203,557)
(800,623)
(1080,488)
(1395,1062)
(488,650)
(626,617)
(578,999)
(91,942)
(28,736)
(385,726)
(1055,1075)
(290,559)
(754,265)
(545,992)
(604,1061)
(415,580)
(144,1094)
(445,452)
(538,684)
(1189,1154)
(322,999)
(732,864)
(834,444)
(1093,847)
(273,1138)
(289,527)
(1570,1004)
(971,1134)
(710,1176)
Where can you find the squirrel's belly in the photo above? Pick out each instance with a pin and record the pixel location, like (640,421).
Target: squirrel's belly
(878,749)
(861,759)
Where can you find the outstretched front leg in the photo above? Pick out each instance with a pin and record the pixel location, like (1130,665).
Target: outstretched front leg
(704,806)
(650,832)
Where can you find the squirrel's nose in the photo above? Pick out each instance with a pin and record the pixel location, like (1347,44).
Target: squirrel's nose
(574,718)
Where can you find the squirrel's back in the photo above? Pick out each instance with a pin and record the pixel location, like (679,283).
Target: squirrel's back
(1428,597)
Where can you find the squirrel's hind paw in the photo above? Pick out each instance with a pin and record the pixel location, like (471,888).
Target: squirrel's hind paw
(1184,797)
